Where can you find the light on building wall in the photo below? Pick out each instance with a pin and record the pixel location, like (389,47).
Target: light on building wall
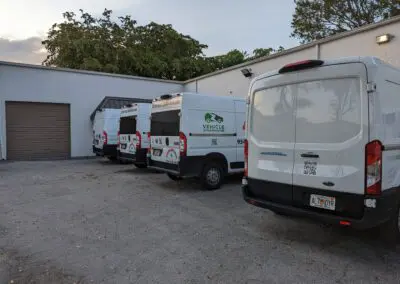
(383,38)
(247,72)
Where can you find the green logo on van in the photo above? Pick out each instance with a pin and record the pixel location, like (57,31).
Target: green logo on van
(211,117)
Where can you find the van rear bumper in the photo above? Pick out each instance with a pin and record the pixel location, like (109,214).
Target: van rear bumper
(138,158)
(386,206)
(106,151)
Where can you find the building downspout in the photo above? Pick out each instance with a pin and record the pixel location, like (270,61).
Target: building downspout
(318,51)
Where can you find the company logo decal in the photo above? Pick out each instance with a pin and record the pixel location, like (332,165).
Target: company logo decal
(213,123)
(171,156)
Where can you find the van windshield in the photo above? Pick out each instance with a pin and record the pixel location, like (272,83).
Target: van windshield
(322,111)
(165,123)
(127,125)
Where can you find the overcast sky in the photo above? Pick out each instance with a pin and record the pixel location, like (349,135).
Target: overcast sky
(221,24)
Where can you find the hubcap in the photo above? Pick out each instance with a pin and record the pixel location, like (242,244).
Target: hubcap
(213,176)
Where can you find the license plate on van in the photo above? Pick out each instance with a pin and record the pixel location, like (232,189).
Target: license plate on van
(324,202)
(157,152)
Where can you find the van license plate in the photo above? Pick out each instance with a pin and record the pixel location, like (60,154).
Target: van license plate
(157,152)
(324,202)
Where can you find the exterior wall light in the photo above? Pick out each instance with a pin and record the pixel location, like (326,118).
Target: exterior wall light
(384,38)
(247,72)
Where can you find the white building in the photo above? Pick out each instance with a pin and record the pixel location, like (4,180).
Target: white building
(47,110)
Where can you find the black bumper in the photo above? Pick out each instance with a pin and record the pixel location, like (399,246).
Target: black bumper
(350,207)
(138,158)
(106,151)
(186,167)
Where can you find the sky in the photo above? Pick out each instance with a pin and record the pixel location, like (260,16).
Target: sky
(221,24)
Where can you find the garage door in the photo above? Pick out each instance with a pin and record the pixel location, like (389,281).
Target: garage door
(37,131)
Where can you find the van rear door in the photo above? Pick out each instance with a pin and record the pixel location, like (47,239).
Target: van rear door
(164,130)
(331,134)
(271,138)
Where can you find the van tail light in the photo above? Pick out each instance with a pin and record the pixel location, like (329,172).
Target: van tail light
(118,142)
(246,157)
(182,144)
(138,140)
(373,168)
(105,138)
(149,138)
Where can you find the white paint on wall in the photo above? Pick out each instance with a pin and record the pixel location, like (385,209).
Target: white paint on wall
(82,91)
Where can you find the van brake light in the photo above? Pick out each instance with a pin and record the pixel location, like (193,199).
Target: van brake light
(105,138)
(300,65)
(182,144)
(373,168)
(138,140)
(246,157)
(118,142)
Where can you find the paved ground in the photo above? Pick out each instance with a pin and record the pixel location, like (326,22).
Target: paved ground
(92,221)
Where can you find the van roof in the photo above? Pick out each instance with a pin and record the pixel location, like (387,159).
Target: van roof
(367,60)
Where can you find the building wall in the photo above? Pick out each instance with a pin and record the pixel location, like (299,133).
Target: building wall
(235,84)
(362,43)
(82,91)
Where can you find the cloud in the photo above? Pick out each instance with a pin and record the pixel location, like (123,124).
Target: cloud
(28,50)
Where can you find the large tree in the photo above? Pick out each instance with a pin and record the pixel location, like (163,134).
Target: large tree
(316,19)
(124,47)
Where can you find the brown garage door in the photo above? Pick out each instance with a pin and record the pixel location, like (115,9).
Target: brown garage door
(37,131)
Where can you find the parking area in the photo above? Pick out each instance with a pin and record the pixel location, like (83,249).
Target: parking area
(92,221)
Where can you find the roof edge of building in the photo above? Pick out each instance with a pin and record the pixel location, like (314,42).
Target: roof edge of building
(300,48)
(86,72)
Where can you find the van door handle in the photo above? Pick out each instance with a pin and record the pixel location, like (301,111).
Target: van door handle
(309,155)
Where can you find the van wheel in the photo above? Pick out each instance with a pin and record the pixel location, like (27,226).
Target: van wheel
(212,176)
(141,166)
(174,177)
(390,231)
(111,158)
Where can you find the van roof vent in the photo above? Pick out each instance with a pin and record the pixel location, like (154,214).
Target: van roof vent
(300,65)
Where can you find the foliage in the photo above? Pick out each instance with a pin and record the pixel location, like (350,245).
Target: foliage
(316,19)
(124,47)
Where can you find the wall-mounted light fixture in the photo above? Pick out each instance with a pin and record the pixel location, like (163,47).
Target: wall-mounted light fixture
(247,72)
(384,38)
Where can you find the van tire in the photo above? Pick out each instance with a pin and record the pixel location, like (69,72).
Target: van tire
(390,231)
(212,176)
(140,166)
(174,177)
(112,158)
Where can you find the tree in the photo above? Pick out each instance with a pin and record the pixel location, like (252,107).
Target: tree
(316,19)
(122,46)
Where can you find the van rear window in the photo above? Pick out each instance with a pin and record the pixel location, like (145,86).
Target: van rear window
(165,123)
(323,111)
(127,125)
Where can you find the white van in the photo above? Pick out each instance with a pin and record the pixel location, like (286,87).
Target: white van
(134,126)
(105,133)
(323,141)
(195,135)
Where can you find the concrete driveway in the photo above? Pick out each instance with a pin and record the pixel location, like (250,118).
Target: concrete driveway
(91,221)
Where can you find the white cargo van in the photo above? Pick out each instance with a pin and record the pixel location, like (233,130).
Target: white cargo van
(195,135)
(134,126)
(323,141)
(105,133)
